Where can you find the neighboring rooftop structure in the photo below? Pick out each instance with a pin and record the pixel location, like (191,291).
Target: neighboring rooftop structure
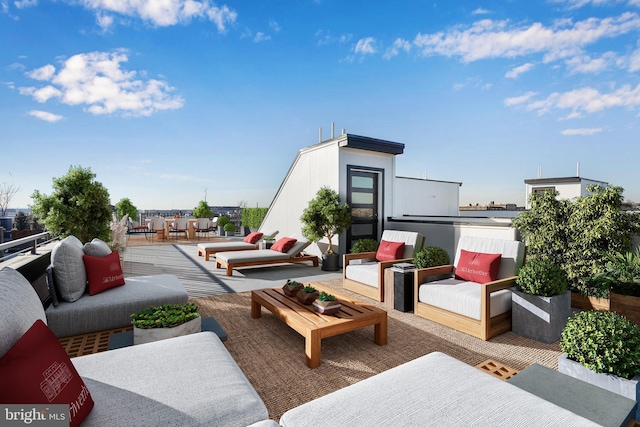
(567,187)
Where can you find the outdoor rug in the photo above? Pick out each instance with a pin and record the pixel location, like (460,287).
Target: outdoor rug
(272,355)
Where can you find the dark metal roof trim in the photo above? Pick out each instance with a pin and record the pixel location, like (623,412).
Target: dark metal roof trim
(371,144)
(560,180)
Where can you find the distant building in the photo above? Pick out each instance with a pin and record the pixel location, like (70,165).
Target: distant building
(501,210)
(567,188)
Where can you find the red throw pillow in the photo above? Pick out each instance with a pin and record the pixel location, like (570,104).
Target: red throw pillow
(477,267)
(389,251)
(253,237)
(284,244)
(103,272)
(37,371)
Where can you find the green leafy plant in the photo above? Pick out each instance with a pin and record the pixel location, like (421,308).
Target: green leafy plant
(431,256)
(308,289)
(230,227)
(576,235)
(165,316)
(293,283)
(252,217)
(125,207)
(604,342)
(21,221)
(324,296)
(222,221)
(621,274)
(542,278)
(202,210)
(78,206)
(364,245)
(325,216)
(269,239)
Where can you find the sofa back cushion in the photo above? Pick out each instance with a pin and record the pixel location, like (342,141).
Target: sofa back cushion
(412,241)
(512,252)
(68,268)
(96,247)
(20,307)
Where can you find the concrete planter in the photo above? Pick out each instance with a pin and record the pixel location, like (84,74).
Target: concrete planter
(622,386)
(539,318)
(141,336)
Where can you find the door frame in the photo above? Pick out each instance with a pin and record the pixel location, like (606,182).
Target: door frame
(380,173)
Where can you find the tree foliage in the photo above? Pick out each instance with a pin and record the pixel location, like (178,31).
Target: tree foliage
(325,217)
(252,217)
(576,235)
(78,206)
(125,207)
(202,210)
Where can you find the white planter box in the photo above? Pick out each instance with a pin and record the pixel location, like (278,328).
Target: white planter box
(141,336)
(622,386)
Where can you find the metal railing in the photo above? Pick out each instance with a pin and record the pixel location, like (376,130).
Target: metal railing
(23,245)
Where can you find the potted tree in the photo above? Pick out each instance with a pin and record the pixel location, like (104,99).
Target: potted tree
(291,288)
(621,277)
(326,217)
(603,349)
(326,304)
(165,321)
(222,221)
(229,229)
(541,303)
(307,295)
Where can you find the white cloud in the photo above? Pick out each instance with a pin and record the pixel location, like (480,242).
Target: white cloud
(502,39)
(366,46)
(323,38)
(261,37)
(47,117)
(398,45)
(634,61)
(576,4)
(104,21)
(587,65)
(274,26)
(42,73)
(97,81)
(480,11)
(517,100)
(515,72)
(162,13)
(581,131)
(583,101)
(22,4)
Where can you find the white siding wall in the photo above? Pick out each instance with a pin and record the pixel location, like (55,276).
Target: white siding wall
(567,191)
(425,197)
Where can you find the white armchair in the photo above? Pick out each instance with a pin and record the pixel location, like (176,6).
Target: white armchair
(363,274)
(479,309)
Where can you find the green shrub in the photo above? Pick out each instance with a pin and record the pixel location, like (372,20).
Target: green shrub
(164,316)
(326,217)
(202,210)
(230,227)
(604,342)
(621,274)
(252,217)
(222,221)
(21,221)
(542,278)
(431,256)
(364,245)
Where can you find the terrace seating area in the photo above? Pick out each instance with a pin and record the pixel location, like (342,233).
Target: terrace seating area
(266,356)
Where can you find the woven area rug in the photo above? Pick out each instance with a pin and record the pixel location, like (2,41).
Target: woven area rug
(272,355)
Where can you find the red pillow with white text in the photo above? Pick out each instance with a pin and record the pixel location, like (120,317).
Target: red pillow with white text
(38,371)
(284,244)
(103,272)
(477,267)
(253,237)
(389,251)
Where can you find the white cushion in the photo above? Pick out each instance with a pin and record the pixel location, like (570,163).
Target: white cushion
(512,252)
(96,247)
(366,272)
(68,268)
(462,297)
(226,246)
(20,307)
(412,241)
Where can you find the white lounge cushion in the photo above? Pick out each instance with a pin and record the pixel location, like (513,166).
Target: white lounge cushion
(226,246)
(512,252)
(68,268)
(412,241)
(251,256)
(366,272)
(462,297)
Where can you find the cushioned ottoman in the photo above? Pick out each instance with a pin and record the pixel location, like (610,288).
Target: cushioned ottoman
(113,308)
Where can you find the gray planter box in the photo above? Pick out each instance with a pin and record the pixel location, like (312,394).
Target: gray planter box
(539,318)
(622,386)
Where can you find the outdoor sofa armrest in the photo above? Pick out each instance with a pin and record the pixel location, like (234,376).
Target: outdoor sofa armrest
(361,255)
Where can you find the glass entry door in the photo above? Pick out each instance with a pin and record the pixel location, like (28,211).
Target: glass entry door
(362,197)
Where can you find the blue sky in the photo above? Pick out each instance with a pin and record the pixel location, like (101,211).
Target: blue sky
(167,100)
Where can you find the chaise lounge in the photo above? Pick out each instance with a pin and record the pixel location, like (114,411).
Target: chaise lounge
(285,250)
(249,243)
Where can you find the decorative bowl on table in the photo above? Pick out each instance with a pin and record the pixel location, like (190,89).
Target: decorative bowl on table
(307,295)
(291,288)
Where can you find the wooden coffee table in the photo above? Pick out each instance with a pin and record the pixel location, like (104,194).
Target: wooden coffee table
(313,326)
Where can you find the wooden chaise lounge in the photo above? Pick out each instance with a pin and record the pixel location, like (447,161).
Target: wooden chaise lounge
(208,249)
(231,260)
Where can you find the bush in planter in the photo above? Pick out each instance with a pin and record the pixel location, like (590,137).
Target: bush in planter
(229,227)
(604,342)
(431,256)
(542,278)
(621,274)
(222,221)
(364,245)
(165,316)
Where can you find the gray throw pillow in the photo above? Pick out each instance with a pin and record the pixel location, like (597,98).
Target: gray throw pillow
(96,247)
(68,268)
(20,307)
